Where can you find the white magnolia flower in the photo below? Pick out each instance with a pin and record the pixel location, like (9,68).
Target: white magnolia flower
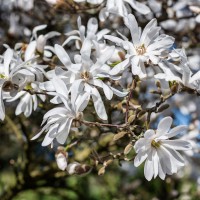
(58,123)
(159,151)
(38,44)
(59,120)
(62,158)
(84,77)
(90,1)
(90,32)
(181,73)
(120,7)
(11,80)
(145,48)
(28,102)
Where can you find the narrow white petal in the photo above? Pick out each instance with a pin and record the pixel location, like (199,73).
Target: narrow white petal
(98,104)
(178,144)
(63,56)
(177,130)
(139,159)
(148,167)
(164,126)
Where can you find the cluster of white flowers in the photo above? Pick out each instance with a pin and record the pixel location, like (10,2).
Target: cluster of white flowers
(101,58)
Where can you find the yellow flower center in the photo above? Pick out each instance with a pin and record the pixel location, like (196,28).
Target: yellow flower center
(2,76)
(28,87)
(141,49)
(155,144)
(85,75)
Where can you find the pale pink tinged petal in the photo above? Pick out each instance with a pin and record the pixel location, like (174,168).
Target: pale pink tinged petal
(63,56)
(139,159)
(61,138)
(149,134)
(134,29)
(164,126)
(177,130)
(7,60)
(98,104)
(148,167)
(178,144)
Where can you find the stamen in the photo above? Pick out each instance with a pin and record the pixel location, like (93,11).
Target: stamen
(155,144)
(141,49)
(85,75)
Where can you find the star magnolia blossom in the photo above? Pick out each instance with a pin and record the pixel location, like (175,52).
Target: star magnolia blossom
(28,102)
(84,75)
(181,73)
(91,32)
(12,77)
(58,123)
(145,46)
(120,7)
(159,151)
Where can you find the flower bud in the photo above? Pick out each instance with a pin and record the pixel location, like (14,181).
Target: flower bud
(77,168)
(61,158)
